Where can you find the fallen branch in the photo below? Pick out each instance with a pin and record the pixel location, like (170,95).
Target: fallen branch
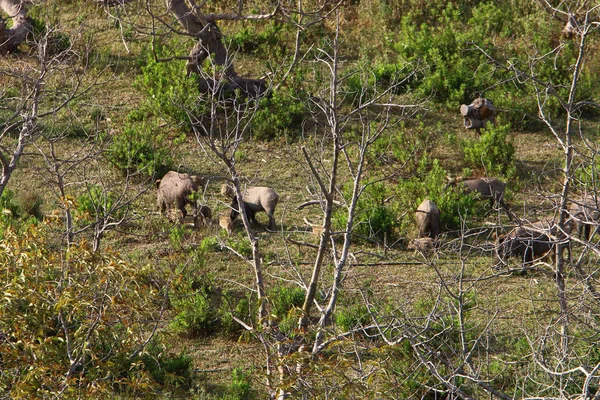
(313,202)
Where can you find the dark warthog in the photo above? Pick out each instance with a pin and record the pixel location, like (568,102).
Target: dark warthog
(489,188)
(174,190)
(428,219)
(255,199)
(534,242)
(585,213)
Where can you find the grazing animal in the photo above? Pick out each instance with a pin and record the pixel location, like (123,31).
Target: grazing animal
(204,214)
(585,213)
(255,199)
(489,188)
(226,223)
(428,219)
(174,190)
(526,243)
(424,245)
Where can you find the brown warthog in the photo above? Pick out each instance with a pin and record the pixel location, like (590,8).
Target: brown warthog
(529,243)
(255,199)
(226,223)
(585,213)
(428,219)
(489,188)
(174,190)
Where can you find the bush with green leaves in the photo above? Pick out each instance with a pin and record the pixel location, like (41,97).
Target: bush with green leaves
(374,217)
(239,388)
(257,37)
(352,317)
(492,152)
(96,203)
(286,303)
(9,206)
(168,94)
(279,115)
(195,314)
(141,148)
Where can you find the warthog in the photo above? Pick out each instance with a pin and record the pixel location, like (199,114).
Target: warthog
(174,190)
(204,214)
(226,223)
(489,188)
(425,245)
(529,243)
(255,199)
(585,213)
(428,219)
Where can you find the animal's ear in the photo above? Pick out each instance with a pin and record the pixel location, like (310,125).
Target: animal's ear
(494,235)
(157,183)
(227,191)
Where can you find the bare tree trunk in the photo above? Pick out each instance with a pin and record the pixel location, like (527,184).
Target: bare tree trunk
(567,178)
(28,125)
(10,38)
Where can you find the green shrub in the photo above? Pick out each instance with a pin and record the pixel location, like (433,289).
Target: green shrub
(257,37)
(353,317)
(96,203)
(374,218)
(492,152)
(9,207)
(195,315)
(285,299)
(170,371)
(141,148)
(286,303)
(169,94)
(177,234)
(245,309)
(241,245)
(279,115)
(239,388)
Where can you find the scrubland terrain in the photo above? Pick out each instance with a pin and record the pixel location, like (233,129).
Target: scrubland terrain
(351,106)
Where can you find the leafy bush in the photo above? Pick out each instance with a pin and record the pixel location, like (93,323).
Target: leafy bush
(9,208)
(373,218)
(95,202)
(256,37)
(279,115)
(196,316)
(353,317)
(170,371)
(492,152)
(140,148)
(169,95)
(285,299)
(239,388)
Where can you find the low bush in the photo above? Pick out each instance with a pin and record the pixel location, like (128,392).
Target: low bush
(239,388)
(492,153)
(141,149)
(374,217)
(279,115)
(195,315)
